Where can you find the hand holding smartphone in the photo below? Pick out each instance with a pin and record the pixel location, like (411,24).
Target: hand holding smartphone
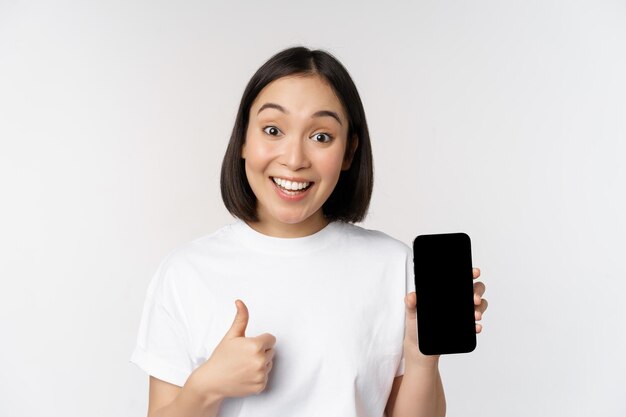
(445,293)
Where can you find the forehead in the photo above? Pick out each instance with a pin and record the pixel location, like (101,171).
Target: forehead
(299,93)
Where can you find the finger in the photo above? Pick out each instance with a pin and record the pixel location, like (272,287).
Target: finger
(475,272)
(269,355)
(410,300)
(411,308)
(240,322)
(478,328)
(483,306)
(480,309)
(479,290)
(267,341)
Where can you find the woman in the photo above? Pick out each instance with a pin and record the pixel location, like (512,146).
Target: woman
(322,331)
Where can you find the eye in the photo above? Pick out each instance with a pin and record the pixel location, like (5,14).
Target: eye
(271,130)
(320,137)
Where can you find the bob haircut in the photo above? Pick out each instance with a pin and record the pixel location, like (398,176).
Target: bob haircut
(350,199)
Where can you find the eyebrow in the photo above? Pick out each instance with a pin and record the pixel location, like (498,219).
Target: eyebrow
(320,113)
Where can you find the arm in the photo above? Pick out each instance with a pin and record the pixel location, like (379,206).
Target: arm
(238,367)
(171,400)
(418,393)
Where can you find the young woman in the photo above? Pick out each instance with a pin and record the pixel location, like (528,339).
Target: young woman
(325,321)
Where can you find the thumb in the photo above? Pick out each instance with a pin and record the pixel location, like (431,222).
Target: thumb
(410,332)
(238,328)
(410,301)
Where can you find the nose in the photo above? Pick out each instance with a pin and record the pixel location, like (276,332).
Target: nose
(294,154)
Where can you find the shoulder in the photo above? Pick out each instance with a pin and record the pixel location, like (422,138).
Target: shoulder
(212,245)
(377,239)
(200,245)
(183,262)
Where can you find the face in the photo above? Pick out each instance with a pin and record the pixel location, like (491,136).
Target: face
(296,137)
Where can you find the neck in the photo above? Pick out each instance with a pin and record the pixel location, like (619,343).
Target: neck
(277,228)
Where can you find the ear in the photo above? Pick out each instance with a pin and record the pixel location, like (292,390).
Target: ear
(242,154)
(347,159)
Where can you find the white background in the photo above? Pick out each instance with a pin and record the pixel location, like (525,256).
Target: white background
(502,119)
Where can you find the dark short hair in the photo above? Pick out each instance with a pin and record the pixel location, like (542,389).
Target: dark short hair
(350,199)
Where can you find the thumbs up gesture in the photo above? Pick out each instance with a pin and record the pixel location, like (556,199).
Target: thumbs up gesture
(239,365)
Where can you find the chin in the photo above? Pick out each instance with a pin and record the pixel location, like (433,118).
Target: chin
(292,219)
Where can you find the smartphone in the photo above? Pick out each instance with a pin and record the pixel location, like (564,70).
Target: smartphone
(445,293)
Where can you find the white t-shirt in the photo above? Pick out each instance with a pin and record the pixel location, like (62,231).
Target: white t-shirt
(334,301)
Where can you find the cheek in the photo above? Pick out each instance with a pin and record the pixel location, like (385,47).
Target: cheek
(330,165)
(257,154)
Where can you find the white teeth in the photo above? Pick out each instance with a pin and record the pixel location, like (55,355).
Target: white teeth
(290,185)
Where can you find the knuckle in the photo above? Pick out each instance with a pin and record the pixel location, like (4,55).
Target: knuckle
(255,346)
(259,387)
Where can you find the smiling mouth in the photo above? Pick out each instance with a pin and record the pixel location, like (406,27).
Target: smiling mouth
(291,187)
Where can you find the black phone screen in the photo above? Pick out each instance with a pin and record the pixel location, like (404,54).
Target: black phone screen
(445,293)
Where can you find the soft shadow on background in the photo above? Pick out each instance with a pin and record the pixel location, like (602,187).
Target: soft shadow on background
(505,120)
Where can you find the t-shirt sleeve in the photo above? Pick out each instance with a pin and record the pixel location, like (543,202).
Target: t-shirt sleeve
(161,349)
(410,287)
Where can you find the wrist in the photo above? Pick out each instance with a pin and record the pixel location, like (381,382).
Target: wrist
(198,392)
(415,358)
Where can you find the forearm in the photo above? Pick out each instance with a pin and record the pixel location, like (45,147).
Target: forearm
(190,403)
(421,392)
